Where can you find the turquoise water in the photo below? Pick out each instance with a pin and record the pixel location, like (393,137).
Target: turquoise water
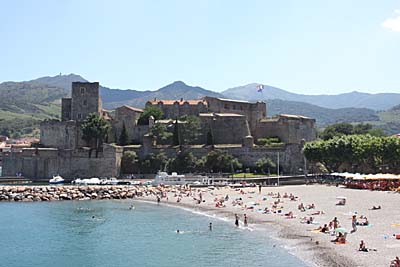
(66,234)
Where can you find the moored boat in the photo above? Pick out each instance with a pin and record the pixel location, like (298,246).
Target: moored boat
(57,179)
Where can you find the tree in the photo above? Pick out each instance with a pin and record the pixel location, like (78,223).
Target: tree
(210,138)
(159,133)
(190,130)
(363,153)
(123,137)
(94,131)
(153,163)
(183,163)
(217,161)
(341,129)
(129,162)
(154,111)
(338,129)
(265,165)
(175,135)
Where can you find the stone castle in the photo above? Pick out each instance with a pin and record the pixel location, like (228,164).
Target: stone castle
(235,126)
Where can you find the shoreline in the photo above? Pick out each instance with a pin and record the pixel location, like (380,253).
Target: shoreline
(300,240)
(308,245)
(298,245)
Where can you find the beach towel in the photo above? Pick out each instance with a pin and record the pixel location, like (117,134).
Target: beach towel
(396,224)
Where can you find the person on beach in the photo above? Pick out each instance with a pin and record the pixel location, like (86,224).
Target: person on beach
(335,223)
(395,262)
(236,220)
(340,239)
(245,220)
(158,199)
(259,188)
(354,224)
(376,208)
(210,226)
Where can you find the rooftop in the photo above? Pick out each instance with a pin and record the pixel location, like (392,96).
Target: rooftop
(181,101)
(220,115)
(132,108)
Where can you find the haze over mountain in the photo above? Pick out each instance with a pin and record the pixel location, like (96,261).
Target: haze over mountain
(382,101)
(24,104)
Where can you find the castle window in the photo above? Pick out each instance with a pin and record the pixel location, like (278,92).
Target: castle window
(83,90)
(79,116)
(85,102)
(234,106)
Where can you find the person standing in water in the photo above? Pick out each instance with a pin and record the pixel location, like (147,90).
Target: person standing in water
(245,220)
(210,227)
(236,220)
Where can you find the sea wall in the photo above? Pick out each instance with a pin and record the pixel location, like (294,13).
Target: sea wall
(52,193)
(43,163)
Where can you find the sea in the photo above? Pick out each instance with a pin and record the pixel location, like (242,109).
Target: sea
(129,233)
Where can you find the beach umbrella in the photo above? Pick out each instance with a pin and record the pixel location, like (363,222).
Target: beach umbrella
(341,230)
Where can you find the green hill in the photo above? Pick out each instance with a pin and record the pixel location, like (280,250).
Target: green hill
(24,104)
(323,116)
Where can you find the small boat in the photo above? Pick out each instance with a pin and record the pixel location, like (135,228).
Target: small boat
(57,179)
(163,178)
(111,181)
(91,181)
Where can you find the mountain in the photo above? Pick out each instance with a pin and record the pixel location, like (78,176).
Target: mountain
(24,104)
(175,90)
(382,101)
(323,116)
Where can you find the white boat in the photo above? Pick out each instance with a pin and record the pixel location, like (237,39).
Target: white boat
(179,179)
(166,179)
(57,179)
(91,181)
(111,181)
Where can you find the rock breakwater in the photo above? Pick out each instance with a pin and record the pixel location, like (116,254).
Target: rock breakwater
(53,193)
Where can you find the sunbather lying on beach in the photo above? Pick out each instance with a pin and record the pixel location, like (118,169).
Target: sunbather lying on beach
(319,212)
(376,208)
(289,215)
(323,229)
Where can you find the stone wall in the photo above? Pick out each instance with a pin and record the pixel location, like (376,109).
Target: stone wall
(290,156)
(43,163)
(290,129)
(253,111)
(57,134)
(128,116)
(225,128)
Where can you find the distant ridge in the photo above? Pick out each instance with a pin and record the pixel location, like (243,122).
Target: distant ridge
(382,101)
(24,104)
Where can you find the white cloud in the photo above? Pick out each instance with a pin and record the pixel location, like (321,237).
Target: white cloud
(393,23)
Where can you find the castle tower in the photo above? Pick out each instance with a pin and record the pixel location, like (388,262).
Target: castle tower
(85,100)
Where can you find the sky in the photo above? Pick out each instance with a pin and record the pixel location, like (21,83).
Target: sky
(307,47)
